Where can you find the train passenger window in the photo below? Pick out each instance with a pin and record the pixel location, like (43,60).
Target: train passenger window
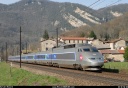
(40,56)
(86,49)
(30,57)
(17,57)
(22,57)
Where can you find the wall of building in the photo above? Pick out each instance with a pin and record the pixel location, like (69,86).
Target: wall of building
(75,41)
(120,44)
(117,57)
(47,44)
(97,42)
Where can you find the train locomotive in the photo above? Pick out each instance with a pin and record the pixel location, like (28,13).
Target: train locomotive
(78,56)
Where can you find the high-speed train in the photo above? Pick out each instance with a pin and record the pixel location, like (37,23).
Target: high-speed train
(78,56)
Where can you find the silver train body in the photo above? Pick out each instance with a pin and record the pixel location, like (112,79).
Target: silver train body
(78,56)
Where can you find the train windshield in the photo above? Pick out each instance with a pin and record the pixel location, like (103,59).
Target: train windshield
(86,49)
(92,49)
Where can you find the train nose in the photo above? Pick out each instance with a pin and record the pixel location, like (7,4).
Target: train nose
(99,61)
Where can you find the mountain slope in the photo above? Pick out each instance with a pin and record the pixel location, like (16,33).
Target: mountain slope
(35,16)
(114,29)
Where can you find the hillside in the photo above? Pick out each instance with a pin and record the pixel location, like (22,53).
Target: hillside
(116,28)
(35,16)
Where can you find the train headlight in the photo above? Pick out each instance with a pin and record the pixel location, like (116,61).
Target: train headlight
(101,58)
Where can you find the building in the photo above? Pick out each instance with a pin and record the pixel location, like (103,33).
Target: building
(71,40)
(111,49)
(116,55)
(47,44)
(118,44)
(100,45)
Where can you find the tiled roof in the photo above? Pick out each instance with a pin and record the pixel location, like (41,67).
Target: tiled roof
(102,46)
(111,51)
(73,38)
(113,41)
(121,51)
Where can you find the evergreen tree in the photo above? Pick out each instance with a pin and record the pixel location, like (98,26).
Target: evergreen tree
(107,37)
(92,35)
(45,35)
(126,53)
(82,35)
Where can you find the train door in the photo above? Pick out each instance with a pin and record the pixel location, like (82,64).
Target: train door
(78,55)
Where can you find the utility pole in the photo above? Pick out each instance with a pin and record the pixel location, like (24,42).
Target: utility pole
(26,47)
(20,46)
(6,52)
(57,37)
(2,53)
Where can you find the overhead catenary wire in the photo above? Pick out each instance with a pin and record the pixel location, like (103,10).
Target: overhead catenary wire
(94,3)
(113,3)
(98,3)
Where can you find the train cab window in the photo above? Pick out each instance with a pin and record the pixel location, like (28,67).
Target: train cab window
(94,49)
(86,50)
(79,50)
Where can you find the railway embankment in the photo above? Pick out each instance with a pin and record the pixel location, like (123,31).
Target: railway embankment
(78,78)
(11,76)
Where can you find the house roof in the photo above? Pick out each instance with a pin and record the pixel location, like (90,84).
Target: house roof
(113,41)
(121,51)
(73,38)
(111,51)
(102,46)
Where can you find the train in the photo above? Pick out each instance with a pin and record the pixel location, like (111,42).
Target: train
(77,56)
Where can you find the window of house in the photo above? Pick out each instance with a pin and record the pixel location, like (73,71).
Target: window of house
(69,41)
(73,41)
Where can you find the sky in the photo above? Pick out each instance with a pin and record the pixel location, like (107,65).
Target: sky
(89,3)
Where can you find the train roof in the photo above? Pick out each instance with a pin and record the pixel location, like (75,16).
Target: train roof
(77,45)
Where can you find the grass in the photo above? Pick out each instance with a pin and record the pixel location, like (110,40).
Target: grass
(116,65)
(20,77)
(121,66)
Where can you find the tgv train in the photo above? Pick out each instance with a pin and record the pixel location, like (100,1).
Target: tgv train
(78,56)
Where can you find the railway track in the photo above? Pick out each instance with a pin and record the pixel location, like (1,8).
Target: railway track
(84,75)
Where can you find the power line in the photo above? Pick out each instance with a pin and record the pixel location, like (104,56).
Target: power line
(94,3)
(113,3)
(98,3)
